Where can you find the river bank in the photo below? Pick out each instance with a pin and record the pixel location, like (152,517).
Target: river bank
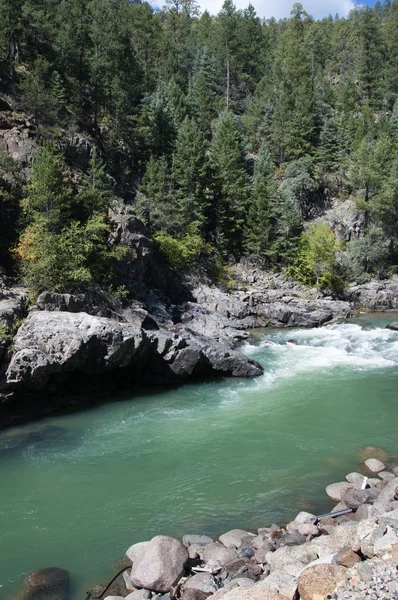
(255,452)
(69,349)
(311,558)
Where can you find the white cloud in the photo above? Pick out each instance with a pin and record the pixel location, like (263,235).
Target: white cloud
(281,8)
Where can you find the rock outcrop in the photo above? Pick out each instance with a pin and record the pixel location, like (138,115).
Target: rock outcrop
(55,353)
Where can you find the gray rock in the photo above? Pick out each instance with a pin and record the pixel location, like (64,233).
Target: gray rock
(305,518)
(218,552)
(390,519)
(160,565)
(201,540)
(203,582)
(393,326)
(136,550)
(365,571)
(46,584)
(233,538)
(139,595)
(192,594)
(356,479)
(279,581)
(386,542)
(375,465)
(245,552)
(335,490)
(387,495)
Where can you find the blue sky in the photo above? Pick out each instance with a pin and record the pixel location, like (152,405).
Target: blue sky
(282,8)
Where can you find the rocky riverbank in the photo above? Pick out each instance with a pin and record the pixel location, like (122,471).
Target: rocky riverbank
(71,348)
(351,555)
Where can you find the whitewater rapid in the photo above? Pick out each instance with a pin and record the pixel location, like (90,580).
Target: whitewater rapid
(349,346)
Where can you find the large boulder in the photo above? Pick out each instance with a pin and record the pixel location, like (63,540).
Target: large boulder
(252,593)
(320,580)
(160,565)
(53,345)
(203,582)
(46,584)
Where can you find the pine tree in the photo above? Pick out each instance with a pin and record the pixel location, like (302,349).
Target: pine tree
(94,191)
(230,184)
(260,229)
(190,175)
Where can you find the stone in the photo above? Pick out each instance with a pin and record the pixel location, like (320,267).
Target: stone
(203,582)
(201,540)
(374,465)
(366,511)
(261,554)
(245,552)
(356,479)
(386,542)
(320,579)
(260,540)
(135,551)
(372,452)
(365,571)
(390,519)
(290,554)
(192,594)
(306,529)
(387,495)
(233,538)
(306,518)
(355,498)
(195,551)
(218,552)
(386,475)
(160,565)
(393,326)
(335,490)
(47,584)
(251,593)
(279,581)
(114,598)
(347,557)
(139,595)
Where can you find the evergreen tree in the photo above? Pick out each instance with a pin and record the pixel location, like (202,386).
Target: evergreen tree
(230,184)
(262,213)
(190,175)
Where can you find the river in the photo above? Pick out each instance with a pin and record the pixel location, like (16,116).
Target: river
(77,489)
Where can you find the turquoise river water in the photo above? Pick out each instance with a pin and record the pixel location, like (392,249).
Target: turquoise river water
(77,489)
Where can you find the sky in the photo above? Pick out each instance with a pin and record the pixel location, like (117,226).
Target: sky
(281,8)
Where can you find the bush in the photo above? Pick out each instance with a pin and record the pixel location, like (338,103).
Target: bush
(182,253)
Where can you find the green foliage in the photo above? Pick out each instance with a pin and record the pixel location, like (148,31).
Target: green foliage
(317,257)
(366,256)
(185,252)
(242,125)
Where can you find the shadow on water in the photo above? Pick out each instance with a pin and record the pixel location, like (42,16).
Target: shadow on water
(14,442)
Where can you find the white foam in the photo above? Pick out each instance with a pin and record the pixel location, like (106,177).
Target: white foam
(346,346)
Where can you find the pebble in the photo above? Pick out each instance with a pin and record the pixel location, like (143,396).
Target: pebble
(382,586)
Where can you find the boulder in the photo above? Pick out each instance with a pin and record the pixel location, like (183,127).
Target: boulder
(46,584)
(201,540)
(387,495)
(321,580)
(305,518)
(374,465)
(135,551)
(372,452)
(203,582)
(386,542)
(393,326)
(347,557)
(290,554)
(335,490)
(192,594)
(216,552)
(356,479)
(390,519)
(279,581)
(139,595)
(160,565)
(251,593)
(261,553)
(233,538)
